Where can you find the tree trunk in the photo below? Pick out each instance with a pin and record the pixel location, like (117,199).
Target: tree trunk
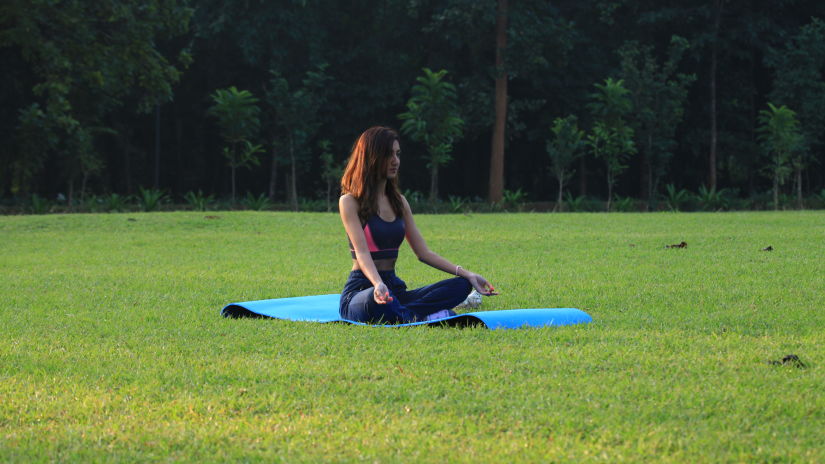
(644,178)
(157,146)
(798,177)
(181,165)
(83,187)
(582,176)
(125,147)
(293,188)
(559,199)
(329,195)
(775,190)
(609,189)
(651,189)
(651,180)
(233,184)
(273,172)
(232,168)
(287,184)
(713,129)
(496,186)
(433,183)
(127,167)
(655,186)
(70,200)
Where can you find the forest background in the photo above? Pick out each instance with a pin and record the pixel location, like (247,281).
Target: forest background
(609,100)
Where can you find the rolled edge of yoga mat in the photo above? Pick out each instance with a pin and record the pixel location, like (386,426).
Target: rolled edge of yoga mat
(313,308)
(324,308)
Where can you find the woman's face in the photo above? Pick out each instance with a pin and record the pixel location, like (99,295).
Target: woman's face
(395,161)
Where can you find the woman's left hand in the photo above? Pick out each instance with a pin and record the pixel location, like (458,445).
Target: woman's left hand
(481,285)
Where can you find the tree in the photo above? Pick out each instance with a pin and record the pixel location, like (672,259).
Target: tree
(84,60)
(714,60)
(496,190)
(93,64)
(237,114)
(297,117)
(564,148)
(330,171)
(611,139)
(432,119)
(657,93)
(799,67)
(781,138)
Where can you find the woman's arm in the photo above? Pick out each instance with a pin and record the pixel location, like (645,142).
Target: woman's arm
(348,206)
(431,258)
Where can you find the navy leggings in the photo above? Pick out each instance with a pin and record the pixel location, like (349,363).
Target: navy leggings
(358,304)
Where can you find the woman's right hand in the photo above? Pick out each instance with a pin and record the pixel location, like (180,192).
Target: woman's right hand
(481,285)
(381,294)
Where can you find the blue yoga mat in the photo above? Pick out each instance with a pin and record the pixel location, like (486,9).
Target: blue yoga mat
(324,308)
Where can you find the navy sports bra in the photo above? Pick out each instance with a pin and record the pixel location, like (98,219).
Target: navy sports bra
(383,238)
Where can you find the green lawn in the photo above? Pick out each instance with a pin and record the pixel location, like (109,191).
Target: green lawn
(112,347)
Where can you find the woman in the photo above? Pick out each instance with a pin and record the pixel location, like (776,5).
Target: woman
(377,218)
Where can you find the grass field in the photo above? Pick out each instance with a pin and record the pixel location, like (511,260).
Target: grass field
(112,348)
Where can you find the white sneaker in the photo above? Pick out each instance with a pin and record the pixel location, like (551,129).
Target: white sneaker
(473,301)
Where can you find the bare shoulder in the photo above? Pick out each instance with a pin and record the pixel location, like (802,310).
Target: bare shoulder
(347,206)
(347,201)
(405,203)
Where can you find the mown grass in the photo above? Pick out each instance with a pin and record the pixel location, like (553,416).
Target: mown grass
(112,349)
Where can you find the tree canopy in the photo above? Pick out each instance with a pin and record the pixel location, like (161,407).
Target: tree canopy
(106,97)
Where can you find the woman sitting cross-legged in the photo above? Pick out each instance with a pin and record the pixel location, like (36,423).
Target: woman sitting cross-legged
(377,218)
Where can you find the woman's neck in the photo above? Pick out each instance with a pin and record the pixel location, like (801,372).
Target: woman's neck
(382,186)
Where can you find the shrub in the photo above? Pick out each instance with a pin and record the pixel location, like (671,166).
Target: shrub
(574,204)
(198,201)
(93,203)
(820,198)
(676,200)
(623,204)
(457,204)
(414,198)
(513,199)
(150,199)
(115,203)
(310,204)
(582,203)
(787,201)
(259,203)
(713,200)
(39,205)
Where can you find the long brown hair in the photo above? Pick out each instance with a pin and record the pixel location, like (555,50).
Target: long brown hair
(366,167)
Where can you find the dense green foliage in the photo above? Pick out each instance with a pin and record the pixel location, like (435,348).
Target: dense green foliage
(112,349)
(432,119)
(782,140)
(564,147)
(612,138)
(237,112)
(101,98)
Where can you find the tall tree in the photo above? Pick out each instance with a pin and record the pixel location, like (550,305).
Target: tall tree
(331,170)
(496,186)
(798,83)
(297,118)
(657,94)
(714,60)
(237,114)
(781,138)
(542,75)
(85,60)
(564,148)
(432,119)
(611,138)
